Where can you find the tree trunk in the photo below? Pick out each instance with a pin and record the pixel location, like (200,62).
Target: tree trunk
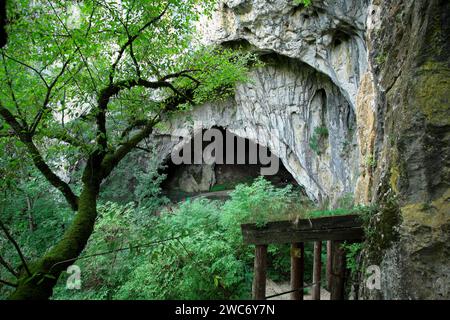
(46,271)
(31,222)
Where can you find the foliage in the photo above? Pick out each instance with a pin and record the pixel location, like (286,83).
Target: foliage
(352,253)
(316,142)
(380,58)
(209,261)
(380,222)
(204,258)
(261,202)
(306,3)
(35,216)
(74,55)
(148,191)
(371,162)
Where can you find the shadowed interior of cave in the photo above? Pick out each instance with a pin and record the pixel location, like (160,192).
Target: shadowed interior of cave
(215,180)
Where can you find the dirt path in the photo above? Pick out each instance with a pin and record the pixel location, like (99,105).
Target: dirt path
(215,195)
(273,288)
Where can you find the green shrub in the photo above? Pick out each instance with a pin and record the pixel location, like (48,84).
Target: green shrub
(352,252)
(206,258)
(306,3)
(194,251)
(317,140)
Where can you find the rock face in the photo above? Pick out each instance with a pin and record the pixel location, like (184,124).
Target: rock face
(375,76)
(409,46)
(282,108)
(329,35)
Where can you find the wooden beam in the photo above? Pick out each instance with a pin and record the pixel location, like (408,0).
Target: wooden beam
(297,270)
(259,278)
(329,263)
(337,271)
(317,270)
(348,227)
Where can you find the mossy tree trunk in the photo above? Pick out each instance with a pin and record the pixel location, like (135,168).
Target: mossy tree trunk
(46,271)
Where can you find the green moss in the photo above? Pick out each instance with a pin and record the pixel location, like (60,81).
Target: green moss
(380,59)
(395,172)
(330,213)
(431,214)
(395,176)
(380,226)
(432,96)
(371,162)
(318,138)
(45,272)
(306,3)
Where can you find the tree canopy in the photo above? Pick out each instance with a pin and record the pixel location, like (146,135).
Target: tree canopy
(89,81)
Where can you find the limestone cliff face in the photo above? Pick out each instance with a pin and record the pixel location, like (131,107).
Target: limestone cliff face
(316,57)
(376,75)
(409,46)
(280,109)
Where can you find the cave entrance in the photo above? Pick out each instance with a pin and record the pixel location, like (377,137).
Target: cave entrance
(235,160)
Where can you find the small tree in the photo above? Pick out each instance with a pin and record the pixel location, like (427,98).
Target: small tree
(89,81)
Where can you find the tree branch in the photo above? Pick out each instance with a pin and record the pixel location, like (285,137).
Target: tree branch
(130,40)
(143,149)
(44,108)
(136,64)
(132,126)
(51,177)
(13,96)
(180,74)
(38,161)
(29,67)
(104,98)
(8,283)
(64,137)
(16,246)
(111,160)
(76,45)
(8,267)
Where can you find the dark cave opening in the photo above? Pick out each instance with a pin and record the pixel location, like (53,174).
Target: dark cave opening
(214,180)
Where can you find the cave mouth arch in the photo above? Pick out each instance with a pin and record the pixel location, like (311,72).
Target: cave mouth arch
(214,180)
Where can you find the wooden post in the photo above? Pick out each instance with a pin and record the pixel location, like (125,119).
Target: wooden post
(259,279)
(329,263)
(297,270)
(317,270)
(337,271)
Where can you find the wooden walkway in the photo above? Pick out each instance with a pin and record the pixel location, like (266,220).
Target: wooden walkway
(335,230)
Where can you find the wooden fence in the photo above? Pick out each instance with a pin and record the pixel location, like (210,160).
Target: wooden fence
(335,230)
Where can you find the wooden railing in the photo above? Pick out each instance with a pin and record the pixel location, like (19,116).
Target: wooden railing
(335,230)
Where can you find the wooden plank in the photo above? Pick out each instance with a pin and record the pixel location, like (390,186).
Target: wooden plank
(342,221)
(317,270)
(347,227)
(329,263)
(259,278)
(297,270)
(337,271)
(255,237)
